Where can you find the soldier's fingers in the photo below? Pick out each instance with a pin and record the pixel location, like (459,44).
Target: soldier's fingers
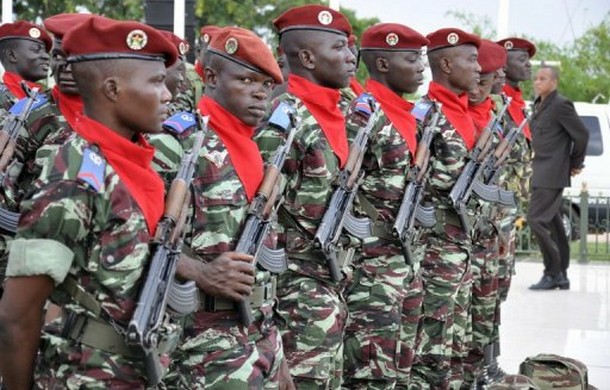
(239,256)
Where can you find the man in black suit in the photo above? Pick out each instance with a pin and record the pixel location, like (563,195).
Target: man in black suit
(560,140)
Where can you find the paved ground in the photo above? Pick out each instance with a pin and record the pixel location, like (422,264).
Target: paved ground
(574,323)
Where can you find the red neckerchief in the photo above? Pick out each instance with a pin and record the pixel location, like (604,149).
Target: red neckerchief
(322,103)
(131,161)
(199,70)
(455,108)
(481,114)
(13,83)
(355,86)
(69,105)
(398,111)
(237,137)
(516,107)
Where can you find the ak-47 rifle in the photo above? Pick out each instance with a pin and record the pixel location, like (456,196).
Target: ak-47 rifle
(142,331)
(13,123)
(264,207)
(329,231)
(411,209)
(468,181)
(498,157)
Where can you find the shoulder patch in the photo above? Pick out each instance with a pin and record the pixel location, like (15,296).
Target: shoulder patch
(420,109)
(280,118)
(20,105)
(180,122)
(92,168)
(362,104)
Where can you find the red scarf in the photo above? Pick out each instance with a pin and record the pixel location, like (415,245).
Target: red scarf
(13,83)
(322,103)
(237,138)
(131,161)
(516,107)
(398,111)
(199,70)
(355,86)
(69,105)
(455,108)
(481,114)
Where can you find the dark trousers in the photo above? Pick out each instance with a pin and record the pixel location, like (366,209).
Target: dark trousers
(545,220)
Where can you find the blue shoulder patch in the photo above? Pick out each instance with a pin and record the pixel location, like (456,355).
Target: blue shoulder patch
(180,122)
(281,116)
(420,109)
(362,104)
(92,168)
(20,105)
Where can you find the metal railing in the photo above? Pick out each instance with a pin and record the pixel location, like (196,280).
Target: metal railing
(587,223)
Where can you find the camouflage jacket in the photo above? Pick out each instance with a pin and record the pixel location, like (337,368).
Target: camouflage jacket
(7,99)
(193,89)
(517,170)
(386,164)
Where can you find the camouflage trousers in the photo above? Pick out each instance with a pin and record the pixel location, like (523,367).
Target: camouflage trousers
(483,305)
(374,303)
(217,352)
(314,314)
(409,324)
(447,282)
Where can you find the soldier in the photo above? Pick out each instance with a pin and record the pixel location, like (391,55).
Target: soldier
(85,230)
(517,171)
(314,38)
(176,75)
(373,357)
(481,107)
(24,49)
(353,83)
(217,351)
(452,54)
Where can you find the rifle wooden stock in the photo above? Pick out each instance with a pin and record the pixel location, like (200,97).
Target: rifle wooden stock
(7,154)
(4,137)
(272,174)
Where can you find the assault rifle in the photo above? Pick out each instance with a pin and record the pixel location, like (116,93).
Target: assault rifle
(493,165)
(13,123)
(329,231)
(263,209)
(469,181)
(143,328)
(411,209)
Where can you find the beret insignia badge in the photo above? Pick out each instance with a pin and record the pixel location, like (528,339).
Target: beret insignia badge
(34,33)
(391,39)
(508,45)
(136,40)
(453,38)
(231,45)
(325,18)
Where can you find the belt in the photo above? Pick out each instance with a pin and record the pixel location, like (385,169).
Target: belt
(261,293)
(344,257)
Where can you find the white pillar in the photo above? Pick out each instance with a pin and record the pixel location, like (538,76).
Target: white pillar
(503,8)
(179,17)
(7,11)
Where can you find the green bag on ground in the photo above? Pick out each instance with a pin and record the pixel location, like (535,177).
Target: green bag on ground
(550,371)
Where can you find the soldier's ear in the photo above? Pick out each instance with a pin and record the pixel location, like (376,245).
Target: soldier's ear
(110,87)
(445,65)
(11,56)
(307,58)
(211,77)
(381,63)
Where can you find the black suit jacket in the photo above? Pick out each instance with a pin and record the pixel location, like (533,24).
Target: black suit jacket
(559,139)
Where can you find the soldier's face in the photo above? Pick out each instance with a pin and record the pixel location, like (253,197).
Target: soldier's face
(518,66)
(32,59)
(62,71)
(465,69)
(480,93)
(334,64)
(405,71)
(243,92)
(142,96)
(499,81)
(176,74)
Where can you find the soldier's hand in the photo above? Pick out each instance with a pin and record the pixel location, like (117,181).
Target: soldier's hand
(285,380)
(230,275)
(575,171)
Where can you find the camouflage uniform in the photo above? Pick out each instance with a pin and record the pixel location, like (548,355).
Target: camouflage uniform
(93,241)
(217,352)
(310,303)
(373,347)
(445,266)
(193,89)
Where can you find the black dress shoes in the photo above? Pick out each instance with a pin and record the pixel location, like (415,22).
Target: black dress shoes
(549,282)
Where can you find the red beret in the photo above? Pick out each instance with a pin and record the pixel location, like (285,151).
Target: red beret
(182,45)
(393,37)
(313,17)
(351,40)
(247,49)
(207,32)
(117,39)
(518,44)
(451,37)
(491,56)
(25,30)
(60,24)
